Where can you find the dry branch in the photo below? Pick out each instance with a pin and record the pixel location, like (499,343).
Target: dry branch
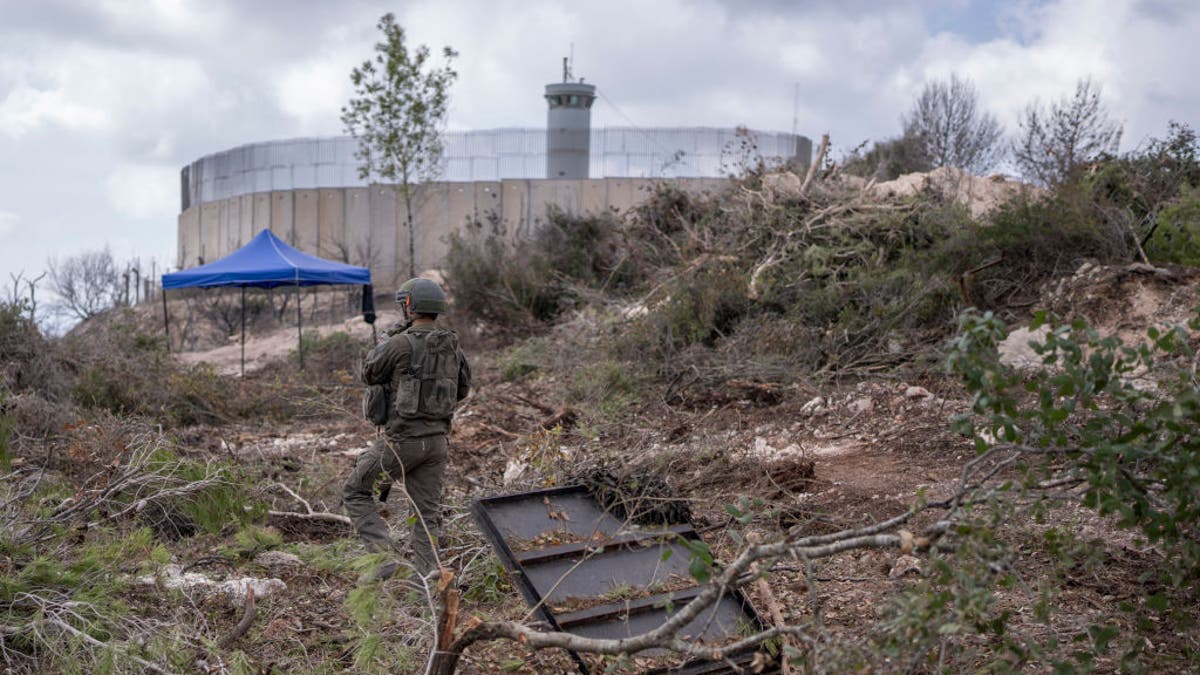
(309,513)
(816,164)
(244,624)
(764,590)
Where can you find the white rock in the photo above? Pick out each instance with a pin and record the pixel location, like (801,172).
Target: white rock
(813,407)
(355,452)
(277,559)
(173,576)
(905,564)
(513,471)
(861,405)
(917,393)
(1015,351)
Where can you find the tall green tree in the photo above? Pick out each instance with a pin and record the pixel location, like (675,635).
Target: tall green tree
(397,115)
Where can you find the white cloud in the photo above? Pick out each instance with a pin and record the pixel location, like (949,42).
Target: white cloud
(1139,60)
(312,93)
(8,223)
(25,109)
(142,191)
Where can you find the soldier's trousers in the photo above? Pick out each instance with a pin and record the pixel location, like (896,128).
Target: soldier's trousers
(418,465)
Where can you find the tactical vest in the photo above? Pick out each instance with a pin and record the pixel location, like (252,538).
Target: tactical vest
(428,388)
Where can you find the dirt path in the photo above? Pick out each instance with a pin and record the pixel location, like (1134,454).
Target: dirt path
(277,344)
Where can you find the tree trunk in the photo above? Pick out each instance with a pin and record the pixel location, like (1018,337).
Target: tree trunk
(412,246)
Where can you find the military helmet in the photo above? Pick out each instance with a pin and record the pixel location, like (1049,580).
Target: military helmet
(421,296)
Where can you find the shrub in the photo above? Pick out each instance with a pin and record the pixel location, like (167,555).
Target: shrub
(1032,240)
(1087,416)
(1176,238)
(334,352)
(523,360)
(520,286)
(28,361)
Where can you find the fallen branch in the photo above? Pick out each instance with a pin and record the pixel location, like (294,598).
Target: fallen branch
(153,667)
(309,513)
(772,603)
(244,624)
(820,159)
(565,417)
(497,430)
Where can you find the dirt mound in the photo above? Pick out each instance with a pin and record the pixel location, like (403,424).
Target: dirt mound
(980,195)
(1120,300)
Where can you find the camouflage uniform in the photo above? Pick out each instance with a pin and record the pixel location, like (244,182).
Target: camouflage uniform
(413,451)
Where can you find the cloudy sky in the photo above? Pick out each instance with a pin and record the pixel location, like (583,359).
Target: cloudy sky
(103,101)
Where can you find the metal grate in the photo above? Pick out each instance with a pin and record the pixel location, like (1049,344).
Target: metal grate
(588,573)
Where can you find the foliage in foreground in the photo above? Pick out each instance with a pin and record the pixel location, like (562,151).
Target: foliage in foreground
(72,549)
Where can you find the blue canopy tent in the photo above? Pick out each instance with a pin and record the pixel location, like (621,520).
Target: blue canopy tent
(267,262)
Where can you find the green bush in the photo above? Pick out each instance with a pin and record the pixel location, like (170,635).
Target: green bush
(1176,238)
(523,360)
(1030,240)
(1088,413)
(228,501)
(600,382)
(518,286)
(334,352)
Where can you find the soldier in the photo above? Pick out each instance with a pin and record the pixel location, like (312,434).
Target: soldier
(424,374)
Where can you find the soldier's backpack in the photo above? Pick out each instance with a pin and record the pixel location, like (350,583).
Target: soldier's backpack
(429,388)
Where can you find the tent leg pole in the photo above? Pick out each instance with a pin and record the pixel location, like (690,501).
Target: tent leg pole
(166,320)
(299,332)
(243,331)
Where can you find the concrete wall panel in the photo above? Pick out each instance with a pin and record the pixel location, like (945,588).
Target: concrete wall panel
(433,224)
(487,201)
(460,208)
(226,229)
(331,223)
(358,225)
(210,224)
(514,206)
(189,238)
(305,220)
(385,241)
(593,196)
(245,219)
(367,225)
(282,223)
(262,212)
(620,193)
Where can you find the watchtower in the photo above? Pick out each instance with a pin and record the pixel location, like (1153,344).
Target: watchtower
(568,126)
